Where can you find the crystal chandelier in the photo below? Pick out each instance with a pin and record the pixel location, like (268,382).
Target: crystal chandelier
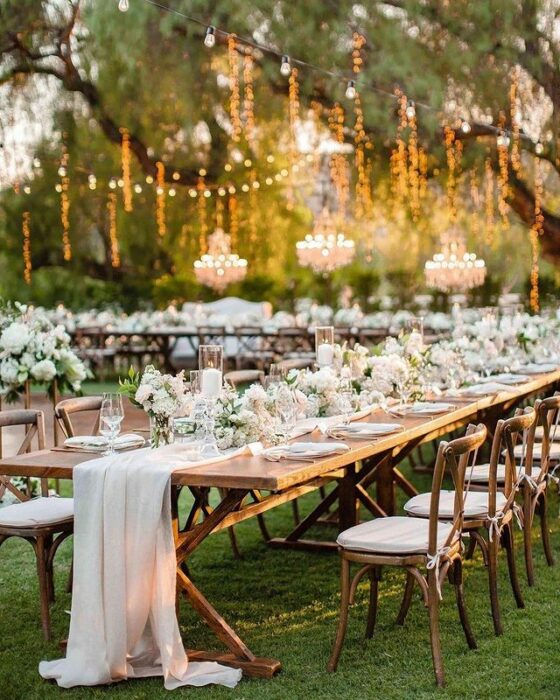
(325,250)
(219,267)
(454,269)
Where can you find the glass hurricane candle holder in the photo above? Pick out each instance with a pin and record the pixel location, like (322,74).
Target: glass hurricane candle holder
(324,345)
(210,363)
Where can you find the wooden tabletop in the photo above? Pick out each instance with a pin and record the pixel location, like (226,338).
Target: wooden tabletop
(254,472)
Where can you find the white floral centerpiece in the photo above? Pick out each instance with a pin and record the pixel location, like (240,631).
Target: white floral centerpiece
(33,349)
(243,419)
(162,396)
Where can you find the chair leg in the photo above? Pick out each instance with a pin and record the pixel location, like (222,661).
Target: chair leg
(470,548)
(507,537)
(543,513)
(41,556)
(433,612)
(461,607)
(343,619)
(407,599)
(373,596)
(493,583)
(527,536)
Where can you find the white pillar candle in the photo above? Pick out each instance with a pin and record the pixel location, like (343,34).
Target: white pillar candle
(211,382)
(325,354)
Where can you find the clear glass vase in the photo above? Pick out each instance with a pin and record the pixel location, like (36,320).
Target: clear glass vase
(161,431)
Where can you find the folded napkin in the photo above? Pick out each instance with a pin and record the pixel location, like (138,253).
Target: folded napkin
(423,408)
(536,368)
(506,378)
(304,450)
(484,389)
(362,431)
(308,425)
(99,442)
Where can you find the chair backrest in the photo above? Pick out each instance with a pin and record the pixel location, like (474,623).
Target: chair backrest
(549,417)
(455,456)
(296,363)
(510,431)
(244,377)
(80,404)
(34,423)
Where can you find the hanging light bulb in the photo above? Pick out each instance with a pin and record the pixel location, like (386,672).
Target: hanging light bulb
(503,139)
(465,126)
(410,110)
(539,148)
(285,67)
(210,38)
(123,5)
(351,90)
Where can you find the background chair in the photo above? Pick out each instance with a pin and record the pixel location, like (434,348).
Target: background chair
(45,522)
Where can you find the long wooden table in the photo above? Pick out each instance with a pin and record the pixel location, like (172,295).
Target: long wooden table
(250,486)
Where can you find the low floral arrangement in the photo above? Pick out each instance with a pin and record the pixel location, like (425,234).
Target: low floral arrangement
(33,349)
(162,396)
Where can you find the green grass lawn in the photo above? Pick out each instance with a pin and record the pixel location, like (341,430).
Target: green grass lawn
(285,606)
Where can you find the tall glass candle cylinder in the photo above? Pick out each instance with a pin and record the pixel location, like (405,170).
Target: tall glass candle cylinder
(324,345)
(211,363)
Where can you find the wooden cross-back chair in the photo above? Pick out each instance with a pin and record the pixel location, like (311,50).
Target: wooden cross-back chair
(45,522)
(429,550)
(535,480)
(296,363)
(80,404)
(490,509)
(242,378)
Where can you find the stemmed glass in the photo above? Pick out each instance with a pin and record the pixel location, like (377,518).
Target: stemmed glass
(403,389)
(285,407)
(347,394)
(110,419)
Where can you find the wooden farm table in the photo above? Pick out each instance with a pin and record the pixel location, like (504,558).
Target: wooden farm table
(251,485)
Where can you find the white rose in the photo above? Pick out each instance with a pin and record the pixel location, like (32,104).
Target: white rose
(14,338)
(44,371)
(9,371)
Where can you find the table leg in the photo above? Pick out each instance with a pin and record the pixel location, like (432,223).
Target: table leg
(240,655)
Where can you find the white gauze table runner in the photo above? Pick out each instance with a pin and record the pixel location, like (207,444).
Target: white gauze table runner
(123,622)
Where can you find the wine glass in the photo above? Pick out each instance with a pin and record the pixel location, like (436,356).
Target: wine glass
(347,394)
(285,407)
(110,418)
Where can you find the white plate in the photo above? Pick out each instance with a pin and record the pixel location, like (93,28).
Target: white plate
(368,429)
(430,409)
(508,378)
(539,369)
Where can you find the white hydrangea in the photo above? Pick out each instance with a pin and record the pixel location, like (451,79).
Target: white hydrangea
(44,371)
(14,338)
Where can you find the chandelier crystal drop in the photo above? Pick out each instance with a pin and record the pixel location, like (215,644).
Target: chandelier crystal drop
(325,250)
(219,267)
(454,269)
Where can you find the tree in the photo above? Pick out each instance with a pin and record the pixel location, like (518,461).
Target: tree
(147,69)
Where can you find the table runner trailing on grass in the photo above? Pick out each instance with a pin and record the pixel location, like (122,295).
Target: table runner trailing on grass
(123,622)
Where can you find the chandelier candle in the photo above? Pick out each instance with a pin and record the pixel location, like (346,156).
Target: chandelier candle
(324,345)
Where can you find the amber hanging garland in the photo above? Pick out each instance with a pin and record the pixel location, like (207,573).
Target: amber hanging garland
(502,143)
(65,206)
(489,200)
(249,100)
(235,96)
(449,135)
(233,221)
(26,232)
(515,155)
(536,231)
(413,165)
(113,236)
(202,216)
(125,162)
(339,167)
(160,199)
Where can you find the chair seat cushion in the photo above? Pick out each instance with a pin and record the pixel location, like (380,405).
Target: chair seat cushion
(37,512)
(476,504)
(480,473)
(554,451)
(396,535)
